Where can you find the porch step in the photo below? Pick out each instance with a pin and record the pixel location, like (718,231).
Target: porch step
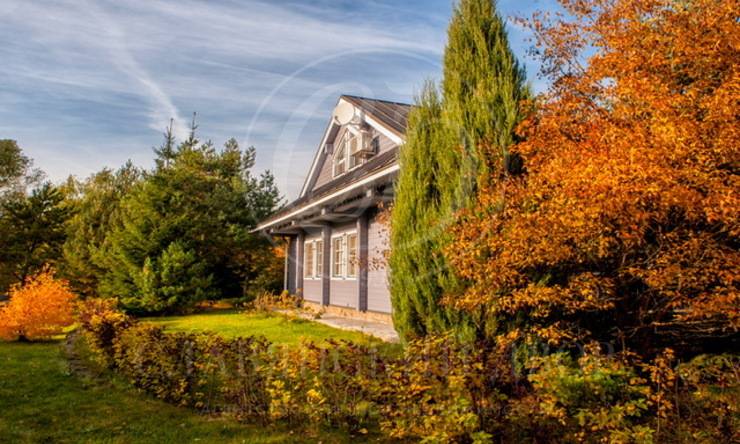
(381,330)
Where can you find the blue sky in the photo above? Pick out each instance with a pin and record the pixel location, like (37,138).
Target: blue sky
(90,84)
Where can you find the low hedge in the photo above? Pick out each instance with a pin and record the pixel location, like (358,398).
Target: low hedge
(440,390)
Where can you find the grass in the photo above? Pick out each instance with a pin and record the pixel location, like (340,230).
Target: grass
(40,401)
(277,329)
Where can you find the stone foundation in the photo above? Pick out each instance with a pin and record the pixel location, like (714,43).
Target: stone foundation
(351,313)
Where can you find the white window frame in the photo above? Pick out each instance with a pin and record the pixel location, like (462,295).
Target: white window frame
(340,274)
(309,269)
(344,259)
(352,155)
(341,147)
(345,147)
(317,254)
(319,259)
(349,266)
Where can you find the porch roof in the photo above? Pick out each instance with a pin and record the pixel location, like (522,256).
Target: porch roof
(339,199)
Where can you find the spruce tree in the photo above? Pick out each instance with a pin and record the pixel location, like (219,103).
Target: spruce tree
(454,144)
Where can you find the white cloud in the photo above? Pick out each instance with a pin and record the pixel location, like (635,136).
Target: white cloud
(106,76)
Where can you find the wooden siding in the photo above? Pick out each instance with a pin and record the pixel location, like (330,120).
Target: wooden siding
(312,289)
(325,169)
(378,293)
(324,172)
(344,292)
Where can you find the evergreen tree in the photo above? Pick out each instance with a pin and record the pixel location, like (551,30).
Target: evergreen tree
(31,233)
(453,144)
(483,88)
(417,268)
(184,231)
(16,172)
(166,152)
(96,214)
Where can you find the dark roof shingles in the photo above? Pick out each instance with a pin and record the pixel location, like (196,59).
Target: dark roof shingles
(392,114)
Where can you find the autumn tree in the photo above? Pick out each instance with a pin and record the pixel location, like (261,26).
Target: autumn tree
(443,161)
(624,228)
(38,309)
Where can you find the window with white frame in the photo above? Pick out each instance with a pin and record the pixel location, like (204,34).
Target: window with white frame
(340,159)
(313,259)
(352,255)
(308,259)
(319,258)
(353,147)
(344,263)
(337,251)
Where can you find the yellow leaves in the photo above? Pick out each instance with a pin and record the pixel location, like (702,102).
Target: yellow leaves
(39,308)
(631,175)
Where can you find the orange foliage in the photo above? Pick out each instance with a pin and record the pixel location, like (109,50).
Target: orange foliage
(38,309)
(625,224)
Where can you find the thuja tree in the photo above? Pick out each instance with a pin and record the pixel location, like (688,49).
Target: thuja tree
(416,266)
(453,143)
(484,91)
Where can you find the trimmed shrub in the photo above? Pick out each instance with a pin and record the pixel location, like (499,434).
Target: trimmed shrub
(177,368)
(592,399)
(268,301)
(102,323)
(440,390)
(444,391)
(246,365)
(334,385)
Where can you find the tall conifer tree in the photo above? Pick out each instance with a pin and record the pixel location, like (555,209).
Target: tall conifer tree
(453,144)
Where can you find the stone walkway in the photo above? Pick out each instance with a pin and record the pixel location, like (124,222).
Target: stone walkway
(380,330)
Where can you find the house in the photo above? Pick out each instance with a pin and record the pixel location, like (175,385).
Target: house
(337,238)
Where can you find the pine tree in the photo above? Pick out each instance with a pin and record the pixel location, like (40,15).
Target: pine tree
(453,143)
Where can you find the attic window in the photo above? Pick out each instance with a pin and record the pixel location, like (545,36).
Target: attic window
(354,150)
(340,160)
(353,143)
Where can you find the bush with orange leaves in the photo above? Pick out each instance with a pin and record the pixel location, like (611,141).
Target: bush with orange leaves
(38,309)
(624,226)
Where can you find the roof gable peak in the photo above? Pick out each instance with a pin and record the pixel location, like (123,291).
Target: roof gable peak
(389,118)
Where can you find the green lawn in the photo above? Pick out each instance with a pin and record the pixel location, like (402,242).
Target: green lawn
(277,328)
(40,401)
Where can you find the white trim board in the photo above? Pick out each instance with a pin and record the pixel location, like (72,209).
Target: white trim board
(358,184)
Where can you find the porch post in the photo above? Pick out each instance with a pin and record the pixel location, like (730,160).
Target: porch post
(291,260)
(286,264)
(326,272)
(299,265)
(363,264)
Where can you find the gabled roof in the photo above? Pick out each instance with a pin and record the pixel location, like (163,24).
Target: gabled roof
(394,115)
(389,118)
